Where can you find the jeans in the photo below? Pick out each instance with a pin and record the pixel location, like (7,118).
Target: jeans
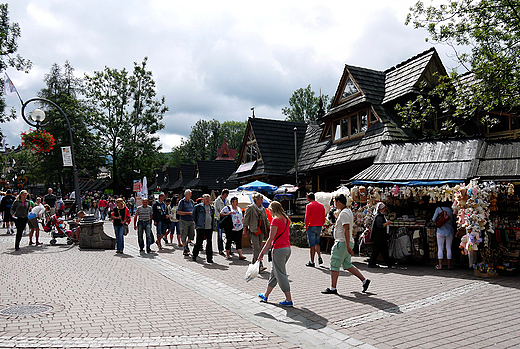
(120,240)
(144,227)
(102,214)
(220,240)
(174,227)
(161,229)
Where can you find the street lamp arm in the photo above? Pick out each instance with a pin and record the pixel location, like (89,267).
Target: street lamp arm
(38,124)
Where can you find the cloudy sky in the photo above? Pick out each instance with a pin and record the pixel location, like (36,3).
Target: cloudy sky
(213,59)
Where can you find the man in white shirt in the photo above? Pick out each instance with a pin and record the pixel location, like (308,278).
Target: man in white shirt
(341,253)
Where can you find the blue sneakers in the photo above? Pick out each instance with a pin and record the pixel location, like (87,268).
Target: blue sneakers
(264,298)
(287,303)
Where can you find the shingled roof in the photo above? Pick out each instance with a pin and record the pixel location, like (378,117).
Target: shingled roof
(500,161)
(275,139)
(186,174)
(208,172)
(312,149)
(424,161)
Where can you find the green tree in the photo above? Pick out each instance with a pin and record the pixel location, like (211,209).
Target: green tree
(206,137)
(490,29)
(9,35)
(63,88)
(304,105)
(127,116)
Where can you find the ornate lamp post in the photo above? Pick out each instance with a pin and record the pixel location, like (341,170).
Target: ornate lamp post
(37,119)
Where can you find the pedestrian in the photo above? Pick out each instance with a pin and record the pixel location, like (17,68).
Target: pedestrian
(445,235)
(76,230)
(5,207)
(341,253)
(256,225)
(103,207)
(37,215)
(220,202)
(234,230)
(174,221)
(185,211)
(50,199)
(120,216)
(111,206)
(204,218)
(314,220)
(281,251)
(142,223)
(131,203)
(19,212)
(94,210)
(160,218)
(379,236)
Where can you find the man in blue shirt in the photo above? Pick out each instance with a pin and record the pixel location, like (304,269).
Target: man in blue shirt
(187,226)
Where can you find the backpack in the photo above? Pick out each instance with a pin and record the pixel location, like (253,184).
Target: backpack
(226,223)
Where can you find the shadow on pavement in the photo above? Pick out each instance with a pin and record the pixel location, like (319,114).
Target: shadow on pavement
(39,249)
(369,299)
(310,319)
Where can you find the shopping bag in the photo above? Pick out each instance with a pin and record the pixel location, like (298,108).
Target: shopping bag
(252,271)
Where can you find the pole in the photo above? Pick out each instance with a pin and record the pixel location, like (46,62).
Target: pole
(296,154)
(74,169)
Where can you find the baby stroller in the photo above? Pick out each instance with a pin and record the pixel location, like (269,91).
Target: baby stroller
(57,230)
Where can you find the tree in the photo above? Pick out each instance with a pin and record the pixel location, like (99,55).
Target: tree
(63,88)
(491,31)
(127,116)
(9,34)
(304,105)
(206,137)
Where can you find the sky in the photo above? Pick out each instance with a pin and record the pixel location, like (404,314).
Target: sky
(213,59)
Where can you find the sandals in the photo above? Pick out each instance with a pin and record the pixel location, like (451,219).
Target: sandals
(438,267)
(242,258)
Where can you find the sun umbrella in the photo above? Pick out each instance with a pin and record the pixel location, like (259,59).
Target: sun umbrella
(286,188)
(245,198)
(258,186)
(144,188)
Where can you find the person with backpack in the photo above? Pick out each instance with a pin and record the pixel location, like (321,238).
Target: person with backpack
(443,217)
(5,207)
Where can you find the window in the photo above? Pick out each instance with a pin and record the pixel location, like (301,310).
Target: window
(350,89)
(251,151)
(507,124)
(351,126)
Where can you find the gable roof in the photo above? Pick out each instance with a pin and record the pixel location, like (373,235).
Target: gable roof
(406,76)
(275,140)
(311,149)
(500,161)
(186,174)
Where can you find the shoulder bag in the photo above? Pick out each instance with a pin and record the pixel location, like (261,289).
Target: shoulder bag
(442,218)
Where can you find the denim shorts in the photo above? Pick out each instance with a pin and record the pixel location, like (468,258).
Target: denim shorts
(313,234)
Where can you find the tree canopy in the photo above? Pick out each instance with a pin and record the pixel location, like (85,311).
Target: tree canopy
(485,36)
(9,35)
(304,105)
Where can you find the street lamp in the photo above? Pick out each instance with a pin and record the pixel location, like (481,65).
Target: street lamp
(296,153)
(36,119)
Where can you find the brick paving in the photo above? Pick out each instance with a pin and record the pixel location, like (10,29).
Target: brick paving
(100,299)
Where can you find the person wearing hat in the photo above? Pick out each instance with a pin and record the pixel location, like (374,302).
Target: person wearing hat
(379,236)
(342,252)
(19,212)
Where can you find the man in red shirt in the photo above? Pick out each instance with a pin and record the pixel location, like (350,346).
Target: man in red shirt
(314,220)
(103,204)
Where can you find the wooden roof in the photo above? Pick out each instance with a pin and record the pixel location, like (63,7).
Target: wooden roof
(211,171)
(424,161)
(500,161)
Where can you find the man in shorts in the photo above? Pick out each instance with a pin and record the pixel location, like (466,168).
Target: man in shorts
(314,220)
(186,223)
(341,253)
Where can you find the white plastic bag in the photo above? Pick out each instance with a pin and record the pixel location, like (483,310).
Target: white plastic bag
(252,271)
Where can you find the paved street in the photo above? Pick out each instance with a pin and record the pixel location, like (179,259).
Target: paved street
(60,296)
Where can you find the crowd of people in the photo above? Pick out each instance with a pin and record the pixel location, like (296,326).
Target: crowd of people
(184,221)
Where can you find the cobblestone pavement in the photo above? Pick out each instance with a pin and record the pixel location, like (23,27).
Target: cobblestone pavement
(63,297)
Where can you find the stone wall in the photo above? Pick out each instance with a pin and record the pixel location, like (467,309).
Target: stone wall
(92,235)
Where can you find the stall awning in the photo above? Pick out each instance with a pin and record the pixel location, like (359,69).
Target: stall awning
(407,183)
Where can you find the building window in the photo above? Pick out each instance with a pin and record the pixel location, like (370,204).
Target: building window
(351,126)
(350,89)
(251,152)
(507,124)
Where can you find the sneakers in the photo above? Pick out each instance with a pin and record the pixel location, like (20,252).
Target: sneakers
(286,303)
(262,269)
(221,253)
(329,291)
(309,264)
(264,298)
(186,253)
(320,260)
(366,283)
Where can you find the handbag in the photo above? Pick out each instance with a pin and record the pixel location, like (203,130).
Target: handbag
(270,250)
(125,233)
(442,218)
(225,223)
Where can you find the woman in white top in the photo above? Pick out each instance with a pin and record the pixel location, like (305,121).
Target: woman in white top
(234,230)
